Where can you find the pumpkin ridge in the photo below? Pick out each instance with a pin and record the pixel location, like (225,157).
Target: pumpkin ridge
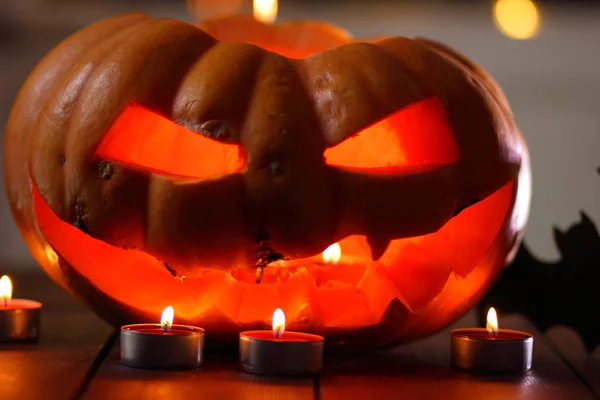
(491,84)
(485,142)
(331,78)
(281,134)
(87,192)
(47,119)
(199,99)
(70,48)
(66,108)
(36,90)
(483,80)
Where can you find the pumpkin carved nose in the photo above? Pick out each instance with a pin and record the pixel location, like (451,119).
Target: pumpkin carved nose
(291,200)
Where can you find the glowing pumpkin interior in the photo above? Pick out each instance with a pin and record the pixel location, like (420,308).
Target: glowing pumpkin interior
(353,291)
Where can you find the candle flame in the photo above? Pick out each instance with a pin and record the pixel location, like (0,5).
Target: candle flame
(517,19)
(265,10)
(492,321)
(332,254)
(166,320)
(278,323)
(6,289)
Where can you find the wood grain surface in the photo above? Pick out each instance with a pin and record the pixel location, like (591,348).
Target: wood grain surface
(58,365)
(569,345)
(421,371)
(78,358)
(219,378)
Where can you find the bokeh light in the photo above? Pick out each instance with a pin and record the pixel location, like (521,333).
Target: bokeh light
(517,19)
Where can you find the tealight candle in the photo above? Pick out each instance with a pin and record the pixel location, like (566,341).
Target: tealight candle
(280,352)
(489,350)
(19,318)
(162,346)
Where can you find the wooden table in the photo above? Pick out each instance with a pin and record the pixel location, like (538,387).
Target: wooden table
(77,357)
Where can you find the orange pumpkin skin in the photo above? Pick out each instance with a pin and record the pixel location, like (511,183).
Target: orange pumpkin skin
(435,228)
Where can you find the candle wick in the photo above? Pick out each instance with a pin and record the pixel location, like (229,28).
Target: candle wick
(5,298)
(165,327)
(278,332)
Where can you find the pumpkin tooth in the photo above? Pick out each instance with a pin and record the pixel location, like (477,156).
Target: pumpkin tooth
(378,246)
(298,293)
(171,270)
(379,291)
(265,255)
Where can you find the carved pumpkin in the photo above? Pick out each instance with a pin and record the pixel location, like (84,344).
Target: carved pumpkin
(148,164)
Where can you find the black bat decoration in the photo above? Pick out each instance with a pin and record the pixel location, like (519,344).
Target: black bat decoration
(563,293)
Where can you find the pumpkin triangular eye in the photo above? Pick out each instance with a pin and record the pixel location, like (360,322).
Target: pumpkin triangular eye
(416,135)
(141,138)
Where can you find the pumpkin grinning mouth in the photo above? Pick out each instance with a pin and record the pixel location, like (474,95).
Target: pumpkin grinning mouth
(364,291)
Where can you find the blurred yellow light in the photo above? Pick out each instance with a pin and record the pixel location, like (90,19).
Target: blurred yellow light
(265,10)
(517,19)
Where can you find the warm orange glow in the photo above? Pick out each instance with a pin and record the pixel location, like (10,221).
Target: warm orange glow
(458,246)
(265,10)
(415,135)
(142,138)
(415,270)
(492,322)
(5,290)
(179,218)
(332,254)
(202,9)
(278,323)
(166,320)
(298,39)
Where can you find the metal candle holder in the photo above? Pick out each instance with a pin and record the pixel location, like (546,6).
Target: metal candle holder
(476,350)
(150,346)
(20,320)
(294,353)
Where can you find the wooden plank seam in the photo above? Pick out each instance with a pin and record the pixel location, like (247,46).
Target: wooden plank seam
(97,363)
(562,357)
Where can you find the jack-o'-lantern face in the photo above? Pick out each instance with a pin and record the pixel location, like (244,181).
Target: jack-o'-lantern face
(170,168)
